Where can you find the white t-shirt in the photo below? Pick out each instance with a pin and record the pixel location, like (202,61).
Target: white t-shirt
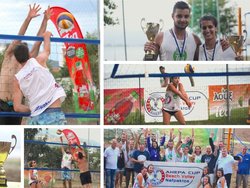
(172,101)
(219,183)
(226,163)
(216,53)
(111,156)
(170,52)
(170,155)
(197,158)
(34,174)
(66,160)
(38,86)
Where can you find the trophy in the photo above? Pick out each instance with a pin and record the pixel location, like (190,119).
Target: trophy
(5,150)
(151,29)
(236,42)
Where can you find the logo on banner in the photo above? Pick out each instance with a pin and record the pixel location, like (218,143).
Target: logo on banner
(158,177)
(154,104)
(223,95)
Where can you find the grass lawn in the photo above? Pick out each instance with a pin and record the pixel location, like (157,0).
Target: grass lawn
(238,117)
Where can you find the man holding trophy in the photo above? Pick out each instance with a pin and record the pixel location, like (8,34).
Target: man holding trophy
(175,44)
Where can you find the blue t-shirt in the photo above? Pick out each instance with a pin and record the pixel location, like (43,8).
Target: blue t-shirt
(244,164)
(141,156)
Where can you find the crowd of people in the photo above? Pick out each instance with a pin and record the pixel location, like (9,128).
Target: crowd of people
(126,156)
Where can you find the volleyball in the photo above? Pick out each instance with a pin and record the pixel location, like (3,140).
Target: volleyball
(59,132)
(65,20)
(189,68)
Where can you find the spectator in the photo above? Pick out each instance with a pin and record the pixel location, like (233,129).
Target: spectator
(226,162)
(141,179)
(120,167)
(220,179)
(139,157)
(243,168)
(197,154)
(129,165)
(205,172)
(211,159)
(111,155)
(206,182)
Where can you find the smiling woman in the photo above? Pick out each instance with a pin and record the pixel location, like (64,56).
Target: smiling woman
(213,48)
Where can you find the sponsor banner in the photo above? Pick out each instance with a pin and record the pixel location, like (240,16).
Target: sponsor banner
(238,96)
(73,141)
(170,174)
(119,103)
(76,57)
(155,97)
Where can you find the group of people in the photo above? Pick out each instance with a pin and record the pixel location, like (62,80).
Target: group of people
(126,157)
(68,157)
(25,75)
(178,44)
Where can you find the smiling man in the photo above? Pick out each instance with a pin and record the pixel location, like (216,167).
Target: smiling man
(176,44)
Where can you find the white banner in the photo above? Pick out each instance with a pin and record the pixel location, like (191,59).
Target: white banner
(170,174)
(155,97)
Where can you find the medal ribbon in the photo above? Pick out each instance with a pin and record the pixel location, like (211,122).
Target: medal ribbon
(205,52)
(181,51)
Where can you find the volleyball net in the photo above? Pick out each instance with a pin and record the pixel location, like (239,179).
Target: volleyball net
(79,108)
(220,95)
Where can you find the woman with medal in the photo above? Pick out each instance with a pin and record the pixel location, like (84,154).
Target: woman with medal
(213,48)
(176,44)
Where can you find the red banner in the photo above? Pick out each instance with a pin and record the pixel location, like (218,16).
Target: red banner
(76,57)
(238,96)
(120,103)
(73,140)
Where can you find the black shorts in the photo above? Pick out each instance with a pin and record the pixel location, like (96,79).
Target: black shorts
(171,113)
(5,107)
(85,177)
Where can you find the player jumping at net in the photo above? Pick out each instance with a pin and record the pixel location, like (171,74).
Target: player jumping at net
(35,82)
(172,105)
(83,165)
(10,67)
(66,164)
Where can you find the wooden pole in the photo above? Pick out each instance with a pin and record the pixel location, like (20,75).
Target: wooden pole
(239,22)
(229,139)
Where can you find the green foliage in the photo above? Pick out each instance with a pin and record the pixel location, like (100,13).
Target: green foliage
(227,15)
(109,7)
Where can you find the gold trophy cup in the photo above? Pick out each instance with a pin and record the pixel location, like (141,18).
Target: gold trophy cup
(236,42)
(5,150)
(151,29)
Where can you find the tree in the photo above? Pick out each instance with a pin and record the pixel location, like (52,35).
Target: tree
(109,8)
(226,14)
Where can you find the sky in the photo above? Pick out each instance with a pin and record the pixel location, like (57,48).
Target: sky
(152,11)
(84,134)
(5,135)
(14,12)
